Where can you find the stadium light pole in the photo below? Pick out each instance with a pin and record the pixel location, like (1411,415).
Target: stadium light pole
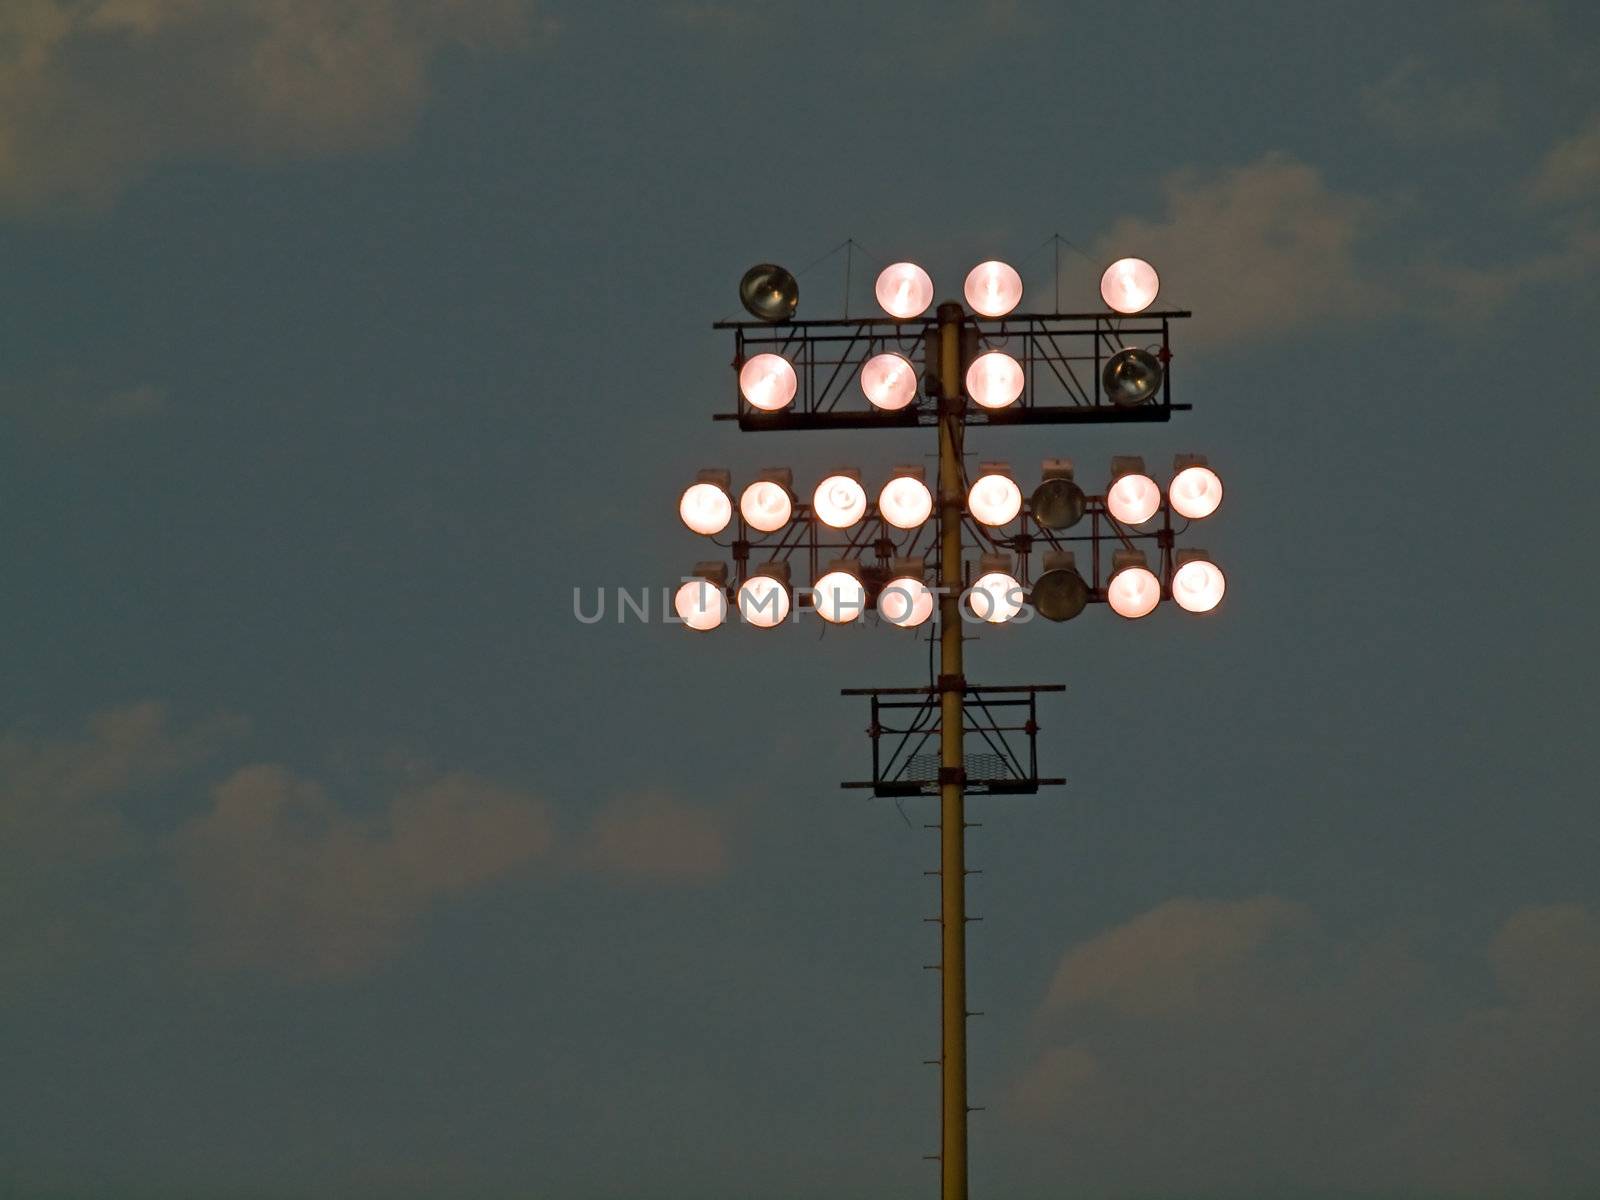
(952,774)
(990,366)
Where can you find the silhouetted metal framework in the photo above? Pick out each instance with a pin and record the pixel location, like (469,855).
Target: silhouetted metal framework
(905,720)
(875,544)
(1061,354)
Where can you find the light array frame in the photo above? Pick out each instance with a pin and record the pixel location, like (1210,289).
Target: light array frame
(1055,351)
(876,545)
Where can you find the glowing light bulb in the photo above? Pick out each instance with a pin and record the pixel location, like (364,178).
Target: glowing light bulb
(1129,285)
(889,381)
(993,289)
(996,597)
(1198,585)
(701,604)
(763,601)
(839,597)
(904,290)
(994,379)
(1133,499)
(995,499)
(905,601)
(1133,592)
(768,382)
(1195,492)
(839,501)
(905,502)
(705,508)
(766,506)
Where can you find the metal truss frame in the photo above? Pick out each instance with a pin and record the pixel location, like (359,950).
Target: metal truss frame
(1061,354)
(906,719)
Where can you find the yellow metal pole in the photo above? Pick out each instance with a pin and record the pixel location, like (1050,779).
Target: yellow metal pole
(952,776)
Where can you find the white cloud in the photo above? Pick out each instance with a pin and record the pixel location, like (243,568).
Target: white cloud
(1267,247)
(1235,1048)
(1256,249)
(656,838)
(281,878)
(64,828)
(95,92)
(59,798)
(1170,958)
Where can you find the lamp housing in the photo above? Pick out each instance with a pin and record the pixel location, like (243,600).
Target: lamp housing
(1195,491)
(1058,502)
(993,288)
(1131,377)
(764,595)
(995,595)
(706,505)
(1133,590)
(1129,285)
(1132,497)
(889,381)
(905,501)
(839,595)
(769,292)
(840,501)
(701,601)
(906,600)
(994,499)
(768,382)
(904,290)
(994,379)
(1198,584)
(767,502)
(1060,593)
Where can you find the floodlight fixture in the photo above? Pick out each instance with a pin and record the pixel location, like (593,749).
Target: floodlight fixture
(1133,591)
(769,293)
(706,505)
(995,596)
(701,601)
(993,288)
(764,596)
(1060,593)
(1131,377)
(994,498)
(905,501)
(1133,497)
(906,600)
(768,382)
(839,595)
(994,379)
(889,381)
(840,501)
(1058,502)
(1195,491)
(1198,583)
(1129,286)
(767,503)
(904,290)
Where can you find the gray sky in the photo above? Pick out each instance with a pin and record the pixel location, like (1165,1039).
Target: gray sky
(337,860)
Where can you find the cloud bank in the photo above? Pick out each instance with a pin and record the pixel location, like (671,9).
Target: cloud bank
(93,93)
(267,870)
(1234,1047)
